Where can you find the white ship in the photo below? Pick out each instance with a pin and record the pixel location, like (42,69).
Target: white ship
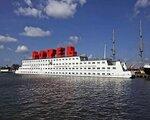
(67,63)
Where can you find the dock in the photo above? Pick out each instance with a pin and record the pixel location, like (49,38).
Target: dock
(139,73)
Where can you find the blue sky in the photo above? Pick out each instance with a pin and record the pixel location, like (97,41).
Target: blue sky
(27,25)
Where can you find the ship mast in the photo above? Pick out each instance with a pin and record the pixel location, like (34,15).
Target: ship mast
(141,47)
(113,45)
(105,51)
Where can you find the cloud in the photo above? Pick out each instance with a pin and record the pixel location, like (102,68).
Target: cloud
(35,32)
(74,39)
(82,2)
(6,39)
(1,47)
(28,2)
(22,49)
(141,4)
(60,9)
(29,11)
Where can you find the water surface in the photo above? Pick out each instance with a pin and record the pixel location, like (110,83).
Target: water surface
(24,97)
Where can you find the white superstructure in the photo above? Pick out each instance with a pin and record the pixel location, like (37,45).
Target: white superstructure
(75,66)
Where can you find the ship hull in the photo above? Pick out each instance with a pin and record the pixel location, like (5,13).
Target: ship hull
(129,75)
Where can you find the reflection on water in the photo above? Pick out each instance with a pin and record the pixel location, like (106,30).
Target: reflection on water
(53,98)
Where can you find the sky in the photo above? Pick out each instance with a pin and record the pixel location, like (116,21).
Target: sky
(27,25)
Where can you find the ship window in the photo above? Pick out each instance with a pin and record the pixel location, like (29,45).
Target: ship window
(84,73)
(77,58)
(108,67)
(114,67)
(76,63)
(103,68)
(89,73)
(103,73)
(84,68)
(98,62)
(89,68)
(73,58)
(80,68)
(98,68)
(98,73)
(93,68)
(89,62)
(73,63)
(93,62)
(73,68)
(77,68)
(80,63)
(108,73)
(93,73)
(73,73)
(103,62)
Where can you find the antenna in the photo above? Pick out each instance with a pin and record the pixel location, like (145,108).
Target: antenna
(113,45)
(141,47)
(105,51)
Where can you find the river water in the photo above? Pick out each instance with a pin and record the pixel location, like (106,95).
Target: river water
(24,97)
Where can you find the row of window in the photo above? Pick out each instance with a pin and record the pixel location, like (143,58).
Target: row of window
(81,68)
(70,73)
(65,63)
(54,59)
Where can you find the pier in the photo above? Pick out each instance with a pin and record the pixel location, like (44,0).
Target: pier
(139,73)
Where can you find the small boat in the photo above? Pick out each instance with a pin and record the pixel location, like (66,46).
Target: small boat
(5,70)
